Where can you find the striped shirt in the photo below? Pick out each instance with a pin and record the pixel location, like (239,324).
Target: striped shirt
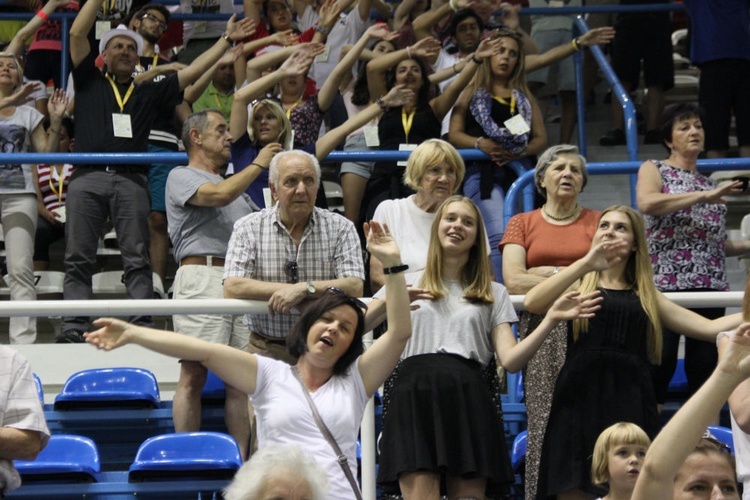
(51,186)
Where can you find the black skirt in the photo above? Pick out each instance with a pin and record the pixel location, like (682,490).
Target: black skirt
(442,419)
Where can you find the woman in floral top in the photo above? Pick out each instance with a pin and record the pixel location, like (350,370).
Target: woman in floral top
(685,217)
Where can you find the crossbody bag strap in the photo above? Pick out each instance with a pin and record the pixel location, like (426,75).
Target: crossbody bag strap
(340,457)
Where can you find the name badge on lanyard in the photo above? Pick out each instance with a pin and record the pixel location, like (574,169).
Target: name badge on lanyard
(121,123)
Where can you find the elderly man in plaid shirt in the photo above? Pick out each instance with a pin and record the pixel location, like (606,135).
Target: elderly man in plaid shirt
(290,253)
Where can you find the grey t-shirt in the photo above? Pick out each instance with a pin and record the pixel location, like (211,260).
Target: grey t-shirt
(453,325)
(198,230)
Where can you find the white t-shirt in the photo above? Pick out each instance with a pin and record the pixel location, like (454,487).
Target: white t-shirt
(15,137)
(452,325)
(285,417)
(742,455)
(410,227)
(446,60)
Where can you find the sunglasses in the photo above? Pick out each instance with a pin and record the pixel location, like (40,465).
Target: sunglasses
(291,269)
(161,24)
(353,300)
(721,445)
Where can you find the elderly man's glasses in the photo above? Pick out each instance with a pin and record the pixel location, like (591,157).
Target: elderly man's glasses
(291,269)
(354,300)
(161,24)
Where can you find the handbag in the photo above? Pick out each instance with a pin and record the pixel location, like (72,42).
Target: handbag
(340,457)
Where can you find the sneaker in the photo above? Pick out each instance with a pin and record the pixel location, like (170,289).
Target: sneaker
(652,137)
(70,337)
(614,137)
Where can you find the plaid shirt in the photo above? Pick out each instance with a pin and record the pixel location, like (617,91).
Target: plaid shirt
(19,408)
(261,246)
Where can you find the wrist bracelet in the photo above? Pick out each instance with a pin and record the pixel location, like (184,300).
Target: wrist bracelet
(721,335)
(478,62)
(408,51)
(395,269)
(557,270)
(576,44)
(42,15)
(321,29)
(259,166)
(476,144)
(380,102)
(226,38)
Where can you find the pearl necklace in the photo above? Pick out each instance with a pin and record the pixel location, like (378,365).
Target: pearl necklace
(571,215)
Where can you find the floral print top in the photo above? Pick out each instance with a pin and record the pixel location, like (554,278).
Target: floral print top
(687,247)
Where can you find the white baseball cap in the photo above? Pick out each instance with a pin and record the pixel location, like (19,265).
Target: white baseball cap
(121,31)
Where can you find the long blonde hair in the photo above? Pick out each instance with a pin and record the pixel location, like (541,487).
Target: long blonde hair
(639,274)
(476,276)
(483,77)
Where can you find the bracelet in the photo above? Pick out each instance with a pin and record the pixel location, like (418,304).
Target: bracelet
(408,51)
(478,62)
(476,144)
(321,29)
(721,335)
(226,38)
(557,270)
(576,44)
(453,5)
(395,269)
(380,102)
(259,166)
(42,15)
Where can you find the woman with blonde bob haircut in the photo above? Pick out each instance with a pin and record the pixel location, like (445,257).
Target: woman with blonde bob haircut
(435,171)
(442,421)
(606,376)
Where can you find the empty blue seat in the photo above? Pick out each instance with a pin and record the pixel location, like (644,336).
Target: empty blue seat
(39,388)
(107,387)
(518,452)
(213,388)
(723,435)
(679,384)
(66,458)
(190,454)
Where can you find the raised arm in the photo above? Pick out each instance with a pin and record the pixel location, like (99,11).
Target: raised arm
(678,438)
(252,9)
(380,359)
(56,105)
(592,37)
(514,355)
(396,97)
(378,67)
(402,13)
(234,366)
(194,91)
(235,31)
(18,42)
(602,256)
(79,31)
(424,23)
(686,322)
(652,201)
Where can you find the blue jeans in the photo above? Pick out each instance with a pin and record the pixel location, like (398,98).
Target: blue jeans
(492,212)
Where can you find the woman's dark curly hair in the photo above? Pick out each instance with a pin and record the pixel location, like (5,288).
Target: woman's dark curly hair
(425,91)
(674,114)
(296,341)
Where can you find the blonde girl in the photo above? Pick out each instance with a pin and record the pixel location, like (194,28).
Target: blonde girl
(618,457)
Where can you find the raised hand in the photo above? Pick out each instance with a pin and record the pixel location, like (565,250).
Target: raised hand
(23,94)
(511,19)
(426,47)
(717,195)
(112,333)
(488,47)
(573,305)
(597,36)
(266,154)
(381,244)
(57,104)
(231,55)
(606,254)
(237,30)
(734,354)
(301,59)
(398,96)
(329,13)
(285,38)
(380,31)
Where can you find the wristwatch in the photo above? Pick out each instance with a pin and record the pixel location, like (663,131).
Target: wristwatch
(310,290)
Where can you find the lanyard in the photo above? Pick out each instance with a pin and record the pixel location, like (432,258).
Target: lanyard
(220,107)
(61,175)
(156,60)
(512,102)
(289,111)
(407,120)
(120,101)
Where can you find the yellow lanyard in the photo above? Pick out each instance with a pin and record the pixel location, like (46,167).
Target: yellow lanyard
(289,111)
(61,181)
(156,60)
(120,101)
(220,107)
(407,120)
(512,102)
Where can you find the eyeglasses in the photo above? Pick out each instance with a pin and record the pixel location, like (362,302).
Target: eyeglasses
(161,24)
(721,445)
(354,300)
(291,269)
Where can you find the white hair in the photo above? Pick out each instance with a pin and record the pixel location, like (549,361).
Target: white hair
(273,169)
(273,462)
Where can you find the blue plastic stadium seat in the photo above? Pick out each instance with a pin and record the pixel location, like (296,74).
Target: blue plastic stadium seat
(518,452)
(520,394)
(213,388)
(39,388)
(109,387)
(722,434)
(66,458)
(191,454)
(679,384)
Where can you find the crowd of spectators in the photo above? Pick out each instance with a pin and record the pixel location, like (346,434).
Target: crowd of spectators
(269,96)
